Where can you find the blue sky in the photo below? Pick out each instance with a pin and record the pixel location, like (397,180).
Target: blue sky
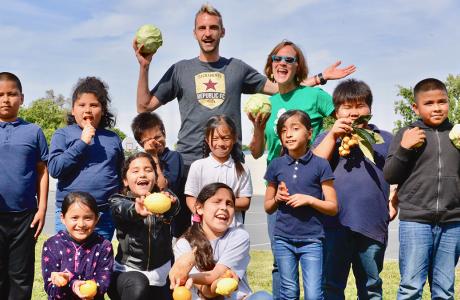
(50,44)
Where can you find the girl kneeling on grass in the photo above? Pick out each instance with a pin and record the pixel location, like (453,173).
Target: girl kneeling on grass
(144,253)
(217,246)
(77,254)
(297,183)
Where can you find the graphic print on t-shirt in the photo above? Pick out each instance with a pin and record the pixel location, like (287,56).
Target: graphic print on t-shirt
(210,89)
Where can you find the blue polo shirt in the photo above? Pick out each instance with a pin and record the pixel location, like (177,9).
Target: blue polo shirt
(362,192)
(93,168)
(173,168)
(22,147)
(302,176)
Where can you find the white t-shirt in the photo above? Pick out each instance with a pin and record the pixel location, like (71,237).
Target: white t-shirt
(231,250)
(208,170)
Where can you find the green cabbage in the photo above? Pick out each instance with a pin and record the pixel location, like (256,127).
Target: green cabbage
(454,135)
(257,103)
(149,36)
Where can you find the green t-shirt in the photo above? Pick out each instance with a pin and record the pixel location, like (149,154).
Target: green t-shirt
(314,101)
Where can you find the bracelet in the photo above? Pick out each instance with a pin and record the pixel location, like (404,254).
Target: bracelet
(322,81)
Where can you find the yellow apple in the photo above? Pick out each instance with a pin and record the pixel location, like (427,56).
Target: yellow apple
(226,286)
(88,289)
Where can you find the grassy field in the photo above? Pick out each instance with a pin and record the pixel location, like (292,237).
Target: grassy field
(259,274)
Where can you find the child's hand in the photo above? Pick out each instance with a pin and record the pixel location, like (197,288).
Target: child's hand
(152,146)
(393,203)
(182,266)
(144,59)
(140,208)
(282,193)
(60,279)
(259,121)
(88,133)
(341,127)
(413,138)
(297,200)
(173,199)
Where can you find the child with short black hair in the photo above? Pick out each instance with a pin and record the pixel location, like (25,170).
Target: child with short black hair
(77,254)
(23,191)
(358,235)
(149,132)
(85,155)
(425,164)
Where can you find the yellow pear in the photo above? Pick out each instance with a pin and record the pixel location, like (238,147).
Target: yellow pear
(226,286)
(157,203)
(88,289)
(182,293)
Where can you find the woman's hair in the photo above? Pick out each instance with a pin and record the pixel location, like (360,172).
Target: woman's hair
(210,130)
(302,68)
(79,197)
(129,160)
(204,256)
(95,86)
(303,118)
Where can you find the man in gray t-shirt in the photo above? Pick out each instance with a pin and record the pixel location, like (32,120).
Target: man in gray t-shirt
(207,85)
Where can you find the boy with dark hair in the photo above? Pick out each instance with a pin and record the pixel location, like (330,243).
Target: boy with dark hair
(358,235)
(23,191)
(426,166)
(149,132)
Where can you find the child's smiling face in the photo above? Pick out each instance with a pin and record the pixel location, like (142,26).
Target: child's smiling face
(87,110)
(217,213)
(221,142)
(140,177)
(432,106)
(79,221)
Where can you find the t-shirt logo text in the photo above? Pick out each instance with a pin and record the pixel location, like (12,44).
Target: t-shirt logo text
(210,89)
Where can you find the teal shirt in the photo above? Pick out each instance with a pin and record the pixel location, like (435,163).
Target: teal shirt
(314,101)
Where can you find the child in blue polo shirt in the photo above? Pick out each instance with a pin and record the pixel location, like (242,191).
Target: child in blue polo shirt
(85,155)
(300,190)
(149,132)
(358,235)
(23,191)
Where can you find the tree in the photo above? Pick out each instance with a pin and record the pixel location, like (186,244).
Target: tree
(403,107)
(120,133)
(46,114)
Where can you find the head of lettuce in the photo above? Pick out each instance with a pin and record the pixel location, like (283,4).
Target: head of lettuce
(257,103)
(149,36)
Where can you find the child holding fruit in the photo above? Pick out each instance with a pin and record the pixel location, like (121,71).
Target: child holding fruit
(222,163)
(357,237)
(425,164)
(300,191)
(85,156)
(144,253)
(77,262)
(149,132)
(219,252)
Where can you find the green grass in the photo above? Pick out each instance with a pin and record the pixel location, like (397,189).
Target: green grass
(259,275)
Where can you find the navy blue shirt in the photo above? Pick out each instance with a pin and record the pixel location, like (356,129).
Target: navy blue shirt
(362,192)
(22,147)
(93,168)
(173,168)
(302,176)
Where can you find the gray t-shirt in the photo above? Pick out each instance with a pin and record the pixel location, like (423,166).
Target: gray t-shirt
(204,90)
(230,250)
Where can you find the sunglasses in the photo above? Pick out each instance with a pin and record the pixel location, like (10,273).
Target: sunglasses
(286,59)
